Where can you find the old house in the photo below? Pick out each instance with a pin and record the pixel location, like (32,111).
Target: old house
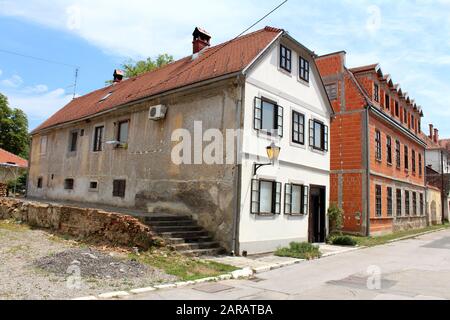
(153,143)
(11,166)
(377,154)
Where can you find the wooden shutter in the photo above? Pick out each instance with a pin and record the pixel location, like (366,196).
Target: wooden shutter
(325,138)
(257,117)
(288,199)
(277,206)
(311,133)
(305,200)
(280,120)
(255,197)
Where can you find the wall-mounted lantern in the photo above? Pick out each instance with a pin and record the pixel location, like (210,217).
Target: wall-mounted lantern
(273,153)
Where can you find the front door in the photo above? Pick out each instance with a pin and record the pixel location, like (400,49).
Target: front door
(317,215)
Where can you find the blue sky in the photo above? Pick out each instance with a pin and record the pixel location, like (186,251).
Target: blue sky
(410,40)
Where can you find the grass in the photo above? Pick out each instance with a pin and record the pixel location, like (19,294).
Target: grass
(376,241)
(11,225)
(185,268)
(299,251)
(340,240)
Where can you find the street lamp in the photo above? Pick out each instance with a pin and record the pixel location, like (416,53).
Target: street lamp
(273,152)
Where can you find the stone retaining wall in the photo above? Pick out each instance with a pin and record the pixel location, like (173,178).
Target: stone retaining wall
(3,190)
(88,224)
(409,223)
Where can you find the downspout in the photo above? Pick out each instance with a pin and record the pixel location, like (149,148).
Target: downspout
(425,176)
(443,197)
(238,173)
(367,172)
(29,166)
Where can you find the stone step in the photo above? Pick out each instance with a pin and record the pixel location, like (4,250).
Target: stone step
(175,241)
(196,246)
(176,229)
(202,252)
(153,218)
(171,223)
(184,234)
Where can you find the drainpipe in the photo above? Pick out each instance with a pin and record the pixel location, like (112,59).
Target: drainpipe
(443,196)
(367,173)
(238,173)
(29,165)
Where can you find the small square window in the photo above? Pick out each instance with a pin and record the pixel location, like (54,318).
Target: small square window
(68,184)
(93,185)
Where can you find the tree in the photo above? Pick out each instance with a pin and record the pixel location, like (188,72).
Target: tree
(14,135)
(133,68)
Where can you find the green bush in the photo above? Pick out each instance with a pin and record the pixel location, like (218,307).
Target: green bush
(342,241)
(335,217)
(298,250)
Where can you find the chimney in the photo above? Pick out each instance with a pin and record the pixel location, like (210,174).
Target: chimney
(118,76)
(431,131)
(436,135)
(201,40)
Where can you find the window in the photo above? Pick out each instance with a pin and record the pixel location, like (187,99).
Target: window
(82,133)
(318,135)
(397,109)
(399,203)
(407,204)
(285,58)
(296,199)
(389,149)
(398,159)
(68,184)
(43,145)
(298,128)
(378,152)
(376,93)
(98,138)
(332,91)
(378,201)
(93,185)
(268,117)
(420,165)
(266,197)
(414,203)
(422,209)
(122,132)
(387,102)
(406,158)
(39,183)
(405,116)
(109,94)
(304,69)
(119,187)
(389,202)
(73,140)
(413,161)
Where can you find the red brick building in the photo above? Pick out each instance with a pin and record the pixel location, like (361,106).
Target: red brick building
(377,154)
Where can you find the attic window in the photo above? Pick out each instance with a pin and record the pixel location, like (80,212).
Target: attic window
(106,97)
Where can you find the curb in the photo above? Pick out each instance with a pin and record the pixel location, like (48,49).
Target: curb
(416,235)
(238,274)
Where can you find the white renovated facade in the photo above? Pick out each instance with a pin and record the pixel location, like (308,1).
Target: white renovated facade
(288,201)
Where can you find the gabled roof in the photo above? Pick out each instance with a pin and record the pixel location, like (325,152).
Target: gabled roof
(227,58)
(11,159)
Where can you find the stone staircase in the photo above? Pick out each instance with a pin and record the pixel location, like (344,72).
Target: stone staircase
(183,234)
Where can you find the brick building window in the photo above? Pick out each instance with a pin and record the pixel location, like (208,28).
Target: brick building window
(389,149)
(389,202)
(268,117)
(399,203)
(413,161)
(266,197)
(69,184)
(304,69)
(378,152)
(296,199)
(285,58)
(407,203)
(387,102)
(398,159)
(420,165)
(376,92)
(378,201)
(332,91)
(414,199)
(318,135)
(422,205)
(405,116)
(406,158)
(397,109)
(119,188)
(298,128)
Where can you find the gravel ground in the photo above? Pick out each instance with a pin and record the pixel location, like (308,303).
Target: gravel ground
(37,265)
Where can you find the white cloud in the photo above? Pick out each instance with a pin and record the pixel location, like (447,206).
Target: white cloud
(1,72)
(14,82)
(40,88)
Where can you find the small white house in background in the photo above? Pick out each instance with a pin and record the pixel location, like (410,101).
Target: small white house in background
(114,146)
(285,104)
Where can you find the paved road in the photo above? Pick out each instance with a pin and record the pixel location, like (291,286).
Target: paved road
(411,269)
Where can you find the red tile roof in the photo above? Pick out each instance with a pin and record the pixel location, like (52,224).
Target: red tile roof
(371,67)
(9,158)
(224,59)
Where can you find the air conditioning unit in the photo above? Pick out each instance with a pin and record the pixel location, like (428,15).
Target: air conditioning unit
(156,113)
